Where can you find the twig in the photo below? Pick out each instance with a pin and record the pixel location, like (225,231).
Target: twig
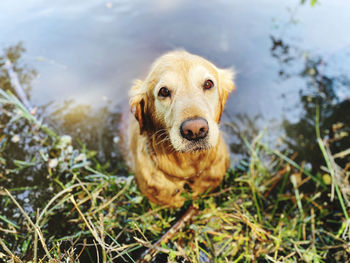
(181,223)
(157,249)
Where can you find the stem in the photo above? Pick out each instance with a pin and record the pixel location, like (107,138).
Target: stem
(329,166)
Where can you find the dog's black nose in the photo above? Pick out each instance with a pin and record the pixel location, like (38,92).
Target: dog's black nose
(194,129)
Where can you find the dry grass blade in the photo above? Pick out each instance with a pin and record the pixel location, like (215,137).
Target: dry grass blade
(36,227)
(8,251)
(343,184)
(87,223)
(112,199)
(95,233)
(328,159)
(342,154)
(149,253)
(52,200)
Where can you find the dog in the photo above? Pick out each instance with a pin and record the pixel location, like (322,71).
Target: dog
(173,143)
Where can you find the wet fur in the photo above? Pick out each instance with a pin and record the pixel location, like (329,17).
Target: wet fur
(163,162)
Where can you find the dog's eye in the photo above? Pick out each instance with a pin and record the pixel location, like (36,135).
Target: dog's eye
(164,92)
(208,84)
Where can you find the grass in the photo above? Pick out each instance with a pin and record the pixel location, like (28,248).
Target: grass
(268,208)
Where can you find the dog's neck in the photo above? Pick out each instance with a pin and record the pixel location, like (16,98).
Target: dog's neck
(183,165)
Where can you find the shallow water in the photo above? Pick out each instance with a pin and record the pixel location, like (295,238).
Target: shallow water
(88,53)
(289,57)
(91,51)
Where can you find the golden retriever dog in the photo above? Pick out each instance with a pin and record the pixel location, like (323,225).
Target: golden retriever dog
(174,138)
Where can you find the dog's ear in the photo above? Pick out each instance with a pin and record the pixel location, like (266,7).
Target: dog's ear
(137,103)
(226,85)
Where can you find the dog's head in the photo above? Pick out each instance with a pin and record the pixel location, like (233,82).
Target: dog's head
(182,100)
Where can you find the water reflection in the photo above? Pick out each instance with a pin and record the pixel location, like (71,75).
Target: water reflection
(25,73)
(329,92)
(25,150)
(95,128)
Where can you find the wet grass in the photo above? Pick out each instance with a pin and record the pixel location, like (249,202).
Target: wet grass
(269,208)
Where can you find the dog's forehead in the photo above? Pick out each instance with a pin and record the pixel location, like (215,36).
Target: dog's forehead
(200,72)
(183,70)
(170,77)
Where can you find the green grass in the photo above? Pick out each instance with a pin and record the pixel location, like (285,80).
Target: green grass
(268,209)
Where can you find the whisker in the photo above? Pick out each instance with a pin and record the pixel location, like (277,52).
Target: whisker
(162,140)
(159,131)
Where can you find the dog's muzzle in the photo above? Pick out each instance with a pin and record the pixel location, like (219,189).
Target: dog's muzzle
(194,129)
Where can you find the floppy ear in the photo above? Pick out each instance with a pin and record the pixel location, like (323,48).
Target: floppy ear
(137,103)
(226,85)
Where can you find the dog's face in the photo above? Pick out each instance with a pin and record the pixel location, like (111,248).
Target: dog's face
(182,100)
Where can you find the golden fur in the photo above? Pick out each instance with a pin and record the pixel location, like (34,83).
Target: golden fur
(162,160)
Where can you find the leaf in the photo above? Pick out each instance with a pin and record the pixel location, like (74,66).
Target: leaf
(23,164)
(9,222)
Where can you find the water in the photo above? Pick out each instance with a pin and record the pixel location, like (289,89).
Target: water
(88,53)
(92,50)
(289,57)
